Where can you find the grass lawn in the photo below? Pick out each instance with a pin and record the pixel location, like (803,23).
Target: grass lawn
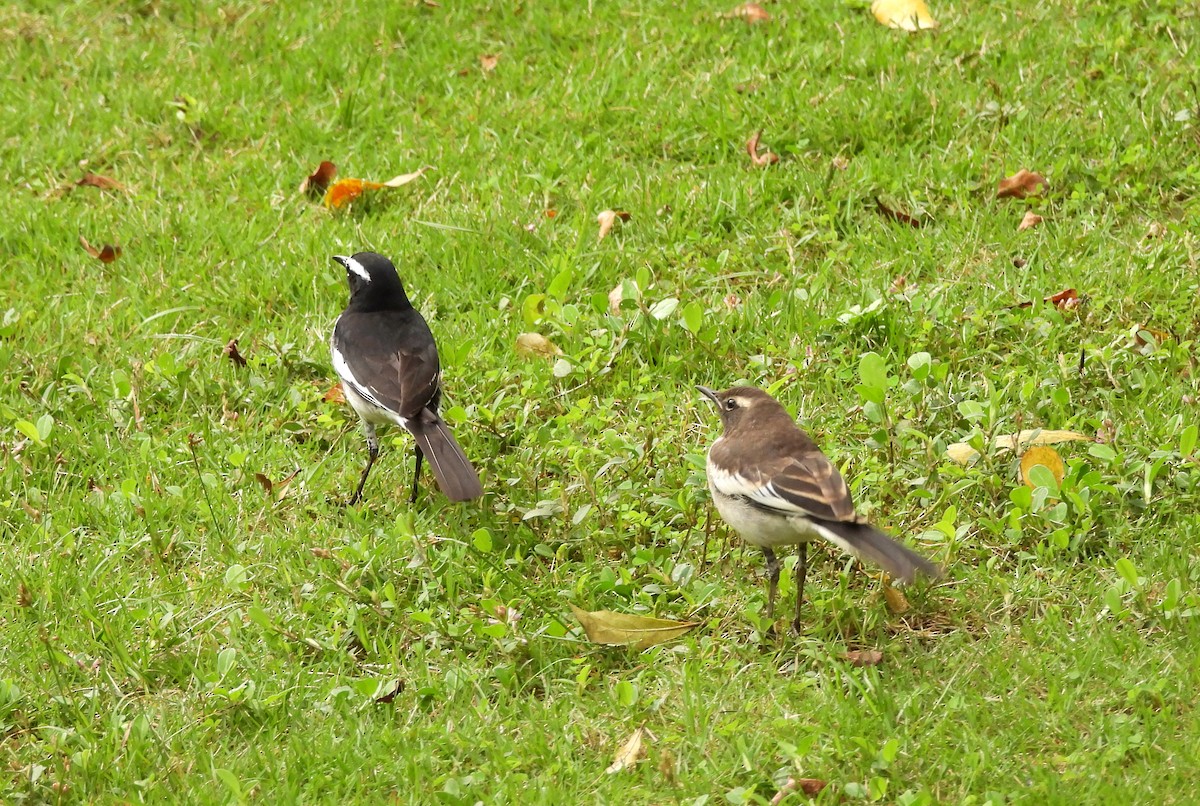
(177,623)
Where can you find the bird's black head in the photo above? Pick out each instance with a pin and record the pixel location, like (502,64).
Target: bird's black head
(741,406)
(374,283)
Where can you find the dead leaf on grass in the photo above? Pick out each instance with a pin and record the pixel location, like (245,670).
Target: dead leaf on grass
(962,452)
(335,394)
(607,218)
(345,191)
(318,181)
(98,181)
(809,786)
(630,752)
(488,61)
(1021,184)
(897,215)
(105,254)
(896,601)
(907,15)
(1065,300)
(536,344)
(763,159)
(864,657)
(390,694)
(1030,221)
(624,629)
(1045,456)
(232,353)
(751,13)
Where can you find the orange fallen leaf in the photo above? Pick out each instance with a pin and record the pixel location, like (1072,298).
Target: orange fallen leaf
(751,13)
(897,215)
(316,182)
(864,657)
(907,15)
(345,191)
(551,213)
(1045,456)
(607,218)
(536,344)
(101,182)
(1143,335)
(763,159)
(105,254)
(232,353)
(488,61)
(335,394)
(1030,221)
(1021,184)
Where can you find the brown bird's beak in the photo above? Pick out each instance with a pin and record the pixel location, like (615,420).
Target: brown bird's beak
(710,394)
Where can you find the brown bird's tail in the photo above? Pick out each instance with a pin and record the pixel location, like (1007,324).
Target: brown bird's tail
(455,475)
(869,543)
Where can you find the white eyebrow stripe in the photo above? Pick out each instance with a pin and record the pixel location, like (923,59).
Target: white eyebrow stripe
(356,267)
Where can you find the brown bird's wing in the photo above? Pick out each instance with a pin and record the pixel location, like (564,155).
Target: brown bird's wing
(807,484)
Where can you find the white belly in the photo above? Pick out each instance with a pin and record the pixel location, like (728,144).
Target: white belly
(759,528)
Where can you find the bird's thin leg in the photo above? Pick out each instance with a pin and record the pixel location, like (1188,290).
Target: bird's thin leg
(801,573)
(416,475)
(772,581)
(372,455)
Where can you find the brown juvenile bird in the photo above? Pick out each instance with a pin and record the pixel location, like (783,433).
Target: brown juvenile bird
(775,487)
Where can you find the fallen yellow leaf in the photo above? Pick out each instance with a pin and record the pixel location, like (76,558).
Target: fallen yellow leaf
(624,629)
(536,344)
(1045,456)
(629,753)
(607,218)
(908,15)
(896,600)
(962,452)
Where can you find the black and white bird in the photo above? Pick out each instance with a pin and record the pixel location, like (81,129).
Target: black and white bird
(775,487)
(388,362)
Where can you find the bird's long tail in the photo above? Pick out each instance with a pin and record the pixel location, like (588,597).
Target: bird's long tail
(455,475)
(869,543)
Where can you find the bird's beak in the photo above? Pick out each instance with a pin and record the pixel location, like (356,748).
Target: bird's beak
(341,260)
(710,394)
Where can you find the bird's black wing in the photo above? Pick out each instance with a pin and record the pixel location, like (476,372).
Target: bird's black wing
(390,359)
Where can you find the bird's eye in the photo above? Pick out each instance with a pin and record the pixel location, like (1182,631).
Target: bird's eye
(730,404)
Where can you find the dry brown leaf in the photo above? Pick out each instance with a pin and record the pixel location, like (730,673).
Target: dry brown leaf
(630,752)
(763,159)
(1047,457)
(321,553)
(624,629)
(751,13)
(488,61)
(908,15)
(1030,221)
(897,215)
(318,181)
(387,697)
(607,218)
(267,485)
(963,453)
(809,786)
(105,254)
(536,344)
(232,353)
(840,162)
(335,394)
(864,657)
(1021,184)
(1064,300)
(24,597)
(1141,332)
(895,599)
(101,182)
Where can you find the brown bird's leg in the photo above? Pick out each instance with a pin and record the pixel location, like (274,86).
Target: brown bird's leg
(416,475)
(801,573)
(772,581)
(373,454)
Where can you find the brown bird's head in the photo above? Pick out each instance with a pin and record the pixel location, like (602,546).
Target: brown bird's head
(745,407)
